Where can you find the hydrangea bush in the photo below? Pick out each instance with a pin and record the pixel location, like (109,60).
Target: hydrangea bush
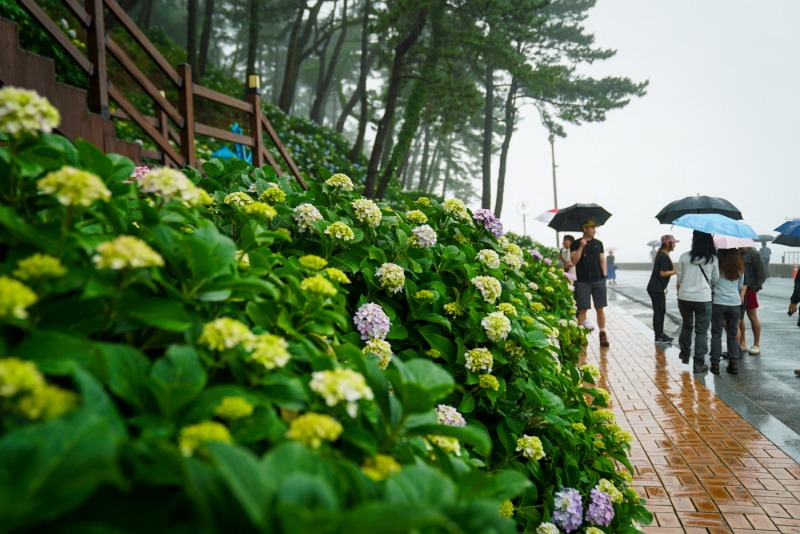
(231,353)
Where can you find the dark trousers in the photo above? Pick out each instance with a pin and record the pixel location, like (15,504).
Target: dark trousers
(659,300)
(730,315)
(696,316)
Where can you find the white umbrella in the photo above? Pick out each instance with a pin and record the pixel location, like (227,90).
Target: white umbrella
(727,241)
(547,216)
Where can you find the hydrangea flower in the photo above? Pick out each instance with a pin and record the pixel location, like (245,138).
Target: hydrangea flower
(341,385)
(126,252)
(341,181)
(454,309)
(15,298)
(18,376)
(424,295)
(306,215)
(489,382)
(238,199)
(489,287)
(225,333)
(391,277)
(604,414)
(600,510)
(548,262)
(139,171)
(456,209)
(380,467)
(609,487)
(371,321)
(261,210)
(506,509)
(479,360)
(318,285)
(447,415)
(340,231)
(193,436)
(489,258)
(593,530)
(512,248)
(497,326)
(531,447)
(535,253)
(513,261)
(579,427)
(448,444)
(568,509)
(269,350)
(232,408)
(602,394)
(507,308)
(311,429)
(337,275)
(273,195)
(423,236)
(22,110)
(547,528)
(367,212)
(171,184)
(243,259)
(489,221)
(423,201)
(592,369)
(74,187)
(315,263)
(417,217)
(380,348)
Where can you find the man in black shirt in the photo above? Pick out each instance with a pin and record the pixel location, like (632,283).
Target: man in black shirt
(589,259)
(657,287)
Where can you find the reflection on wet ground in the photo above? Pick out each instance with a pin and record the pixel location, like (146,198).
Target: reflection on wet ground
(701,466)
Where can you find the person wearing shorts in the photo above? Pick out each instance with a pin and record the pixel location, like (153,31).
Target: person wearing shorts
(754,277)
(589,259)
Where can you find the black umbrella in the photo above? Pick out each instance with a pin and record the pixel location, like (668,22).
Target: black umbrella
(697,204)
(787,240)
(569,219)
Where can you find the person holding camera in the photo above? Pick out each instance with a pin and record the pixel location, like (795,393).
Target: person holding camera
(793,301)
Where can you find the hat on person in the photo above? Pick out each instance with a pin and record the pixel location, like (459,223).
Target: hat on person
(588,222)
(668,238)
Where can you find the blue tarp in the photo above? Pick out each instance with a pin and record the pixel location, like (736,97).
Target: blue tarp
(239,151)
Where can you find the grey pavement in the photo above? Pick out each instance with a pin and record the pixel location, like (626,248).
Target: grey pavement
(765,392)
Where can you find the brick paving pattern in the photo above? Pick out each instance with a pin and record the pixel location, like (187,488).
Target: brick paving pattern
(699,465)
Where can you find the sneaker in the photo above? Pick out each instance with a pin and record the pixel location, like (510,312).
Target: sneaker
(754,350)
(684,357)
(603,339)
(724,355)
(663,338)
(733,368)
(702,368)
(797,372)
(715,367)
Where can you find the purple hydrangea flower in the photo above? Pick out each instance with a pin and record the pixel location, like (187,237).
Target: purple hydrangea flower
(568,512)
(490,222)
(372,322)
(600,511)
(569,276)
(548,262)
(535,253)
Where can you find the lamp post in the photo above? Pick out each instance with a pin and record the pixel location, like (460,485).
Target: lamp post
(552,140)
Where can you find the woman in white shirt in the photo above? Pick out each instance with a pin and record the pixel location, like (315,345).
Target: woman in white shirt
(698,272)
(728,297)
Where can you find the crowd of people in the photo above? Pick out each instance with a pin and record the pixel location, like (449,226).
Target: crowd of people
(717,288)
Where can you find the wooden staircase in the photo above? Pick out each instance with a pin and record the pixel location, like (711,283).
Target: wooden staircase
(24,69)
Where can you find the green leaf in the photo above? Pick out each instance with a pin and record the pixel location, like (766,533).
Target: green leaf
(165,314)
(473,434)
(444,345)
(391,519)
(127,373)
(431,318)
(427,376)
(93,159)
(421,485)
(208,253)
(177,379)
(240,470)
(49,468)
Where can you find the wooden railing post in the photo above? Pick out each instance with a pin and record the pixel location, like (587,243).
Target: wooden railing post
(186,108)
(256,131)
(96,37)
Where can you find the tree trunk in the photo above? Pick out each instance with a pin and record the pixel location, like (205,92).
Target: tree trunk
(426,153)
(296,52)
(145,13)
(488,123)
(355,98)
(511,116)
(367,57)
(252,37)
(191,32)
(408,175)
(205,39)
(391,100)
(434,171)
(327,80)
(446,180)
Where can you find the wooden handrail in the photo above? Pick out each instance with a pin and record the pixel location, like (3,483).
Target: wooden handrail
(143,41)
(57,34)
(91,15)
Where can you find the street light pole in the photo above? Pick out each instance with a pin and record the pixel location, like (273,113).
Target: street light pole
(552,140)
